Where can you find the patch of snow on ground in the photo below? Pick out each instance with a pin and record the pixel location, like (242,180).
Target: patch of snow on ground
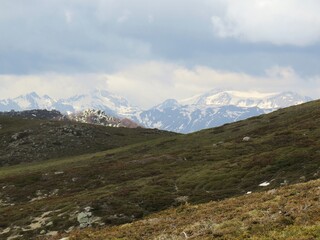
(264,184)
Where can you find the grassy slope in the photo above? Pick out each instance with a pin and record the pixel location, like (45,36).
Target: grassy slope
(288,213)
(42,140)
(127,183)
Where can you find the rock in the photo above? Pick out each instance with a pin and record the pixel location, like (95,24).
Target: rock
(19,135)
(182,199)
(43,232)
(246,139)
(74,179)
(52,233)
(217,144)
(38,193)
(85,219)
(54,192)
(88,209)
(36,114)
(8,229)
(49,224)
(272,191)
(118,219)
(14,237)
(69,229)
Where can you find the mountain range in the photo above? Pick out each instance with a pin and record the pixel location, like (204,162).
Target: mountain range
(211,109)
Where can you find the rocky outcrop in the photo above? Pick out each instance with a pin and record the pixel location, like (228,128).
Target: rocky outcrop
(99,117)
(36,114)
(86,218)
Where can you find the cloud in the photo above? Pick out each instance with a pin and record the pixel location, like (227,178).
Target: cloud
(124,17)
(55,85)
(104,35)
(291,22)
(150,83)
(69,16)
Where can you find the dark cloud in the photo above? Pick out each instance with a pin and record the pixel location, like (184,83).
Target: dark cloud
(76,36)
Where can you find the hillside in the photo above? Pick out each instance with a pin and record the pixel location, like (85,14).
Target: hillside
(282,214)
(30,140)
(135,179)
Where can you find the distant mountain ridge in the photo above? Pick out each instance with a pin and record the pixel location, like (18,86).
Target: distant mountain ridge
(211,109)
(98,99)
(191,118)
(215,108)
(265,101)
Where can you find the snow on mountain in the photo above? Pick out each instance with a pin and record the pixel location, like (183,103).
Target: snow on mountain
(98,99)
(170,103)
(207,110)
(8,105)
(191,118)
(27,102)
(103,100)
(215,108)
(271,101)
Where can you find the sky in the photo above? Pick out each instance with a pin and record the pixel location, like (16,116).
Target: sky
(149,51)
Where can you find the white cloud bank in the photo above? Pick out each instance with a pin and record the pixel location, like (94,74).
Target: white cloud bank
(281,22)
(150,83)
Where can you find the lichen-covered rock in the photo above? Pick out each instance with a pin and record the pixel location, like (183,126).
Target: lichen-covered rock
(20,135)
(85,218)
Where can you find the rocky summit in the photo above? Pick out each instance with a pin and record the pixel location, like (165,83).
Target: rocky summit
(99,117)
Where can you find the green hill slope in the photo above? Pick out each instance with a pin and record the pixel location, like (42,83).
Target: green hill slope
(31,140)
(143,175)
(282,214)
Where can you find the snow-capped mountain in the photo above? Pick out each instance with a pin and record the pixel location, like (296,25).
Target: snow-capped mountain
(191,118)
(207,110)
(215,108)
(27,102)
(98,99)
(102,100)
(271,101)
